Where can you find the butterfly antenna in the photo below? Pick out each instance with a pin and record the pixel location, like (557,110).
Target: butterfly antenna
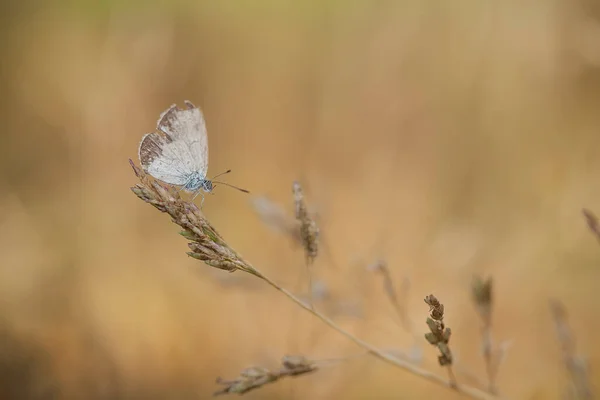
(232,186)
(222,173)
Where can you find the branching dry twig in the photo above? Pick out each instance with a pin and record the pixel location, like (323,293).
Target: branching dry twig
(576,366)
(208,246)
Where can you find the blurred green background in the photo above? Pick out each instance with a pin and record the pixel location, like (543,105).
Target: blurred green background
(447,139)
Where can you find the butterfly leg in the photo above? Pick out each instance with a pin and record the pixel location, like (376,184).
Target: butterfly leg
(199,192)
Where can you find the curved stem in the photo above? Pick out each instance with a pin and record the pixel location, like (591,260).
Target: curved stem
(382,355)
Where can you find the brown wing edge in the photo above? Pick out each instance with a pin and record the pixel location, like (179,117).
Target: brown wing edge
(151,148)
(164,117)
(169,113)
(189,104)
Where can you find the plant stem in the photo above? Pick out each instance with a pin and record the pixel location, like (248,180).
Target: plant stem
(450,384)
(490,363)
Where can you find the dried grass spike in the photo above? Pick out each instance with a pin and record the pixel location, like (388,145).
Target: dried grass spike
(249,379)
(309,231)
(297,365)
(205,242)
(256,377)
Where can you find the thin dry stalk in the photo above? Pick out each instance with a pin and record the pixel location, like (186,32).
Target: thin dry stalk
(399,304)
(208,246)
(482,294)
(439,334)
(575,365)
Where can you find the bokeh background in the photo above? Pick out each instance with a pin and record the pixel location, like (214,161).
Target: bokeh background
(447,139)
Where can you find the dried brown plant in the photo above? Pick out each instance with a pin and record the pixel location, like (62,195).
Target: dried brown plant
(302,228)
(208,245)
(399,300)
(309,231)
(592,222)
(256,377)
(439,334)
(576,366)
(483,297)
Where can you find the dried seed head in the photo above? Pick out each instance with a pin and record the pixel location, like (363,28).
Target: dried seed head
(309,231)
(206,244)
(439,334)
(255,377)
(250,378)
(297,365)
(254,372)
(299,200)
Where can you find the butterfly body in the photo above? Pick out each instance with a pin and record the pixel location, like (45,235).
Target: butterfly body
(197,182)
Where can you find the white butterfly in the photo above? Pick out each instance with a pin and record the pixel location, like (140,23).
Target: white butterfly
(177,153)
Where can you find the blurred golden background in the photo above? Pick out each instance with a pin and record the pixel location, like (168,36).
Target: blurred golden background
(447,139)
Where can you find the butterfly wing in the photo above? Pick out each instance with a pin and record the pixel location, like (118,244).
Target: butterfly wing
(179,148)
(187,126)
(161,157)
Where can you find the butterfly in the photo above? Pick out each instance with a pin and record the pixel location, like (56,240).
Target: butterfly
(177,153)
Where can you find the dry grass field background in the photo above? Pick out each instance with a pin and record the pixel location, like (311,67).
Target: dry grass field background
(447,139)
